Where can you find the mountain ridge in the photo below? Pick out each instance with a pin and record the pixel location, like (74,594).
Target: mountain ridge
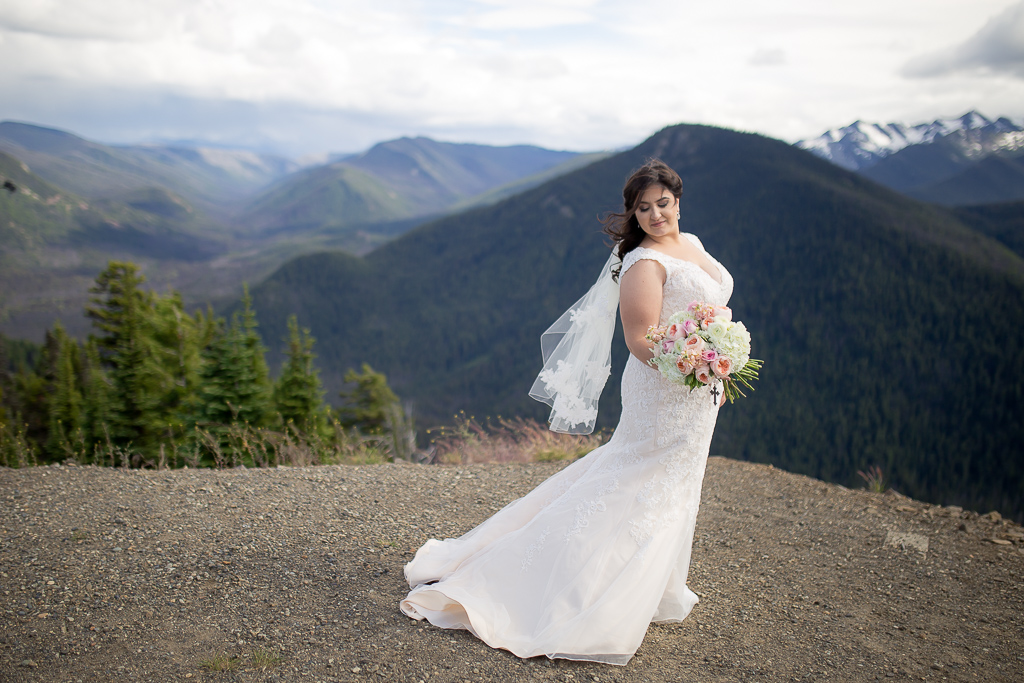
(205,220)
(827,263)
(861,145)
(954,162)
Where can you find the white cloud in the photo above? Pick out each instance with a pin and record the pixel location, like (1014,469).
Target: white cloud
(767,57)
(578,74)
(998,47)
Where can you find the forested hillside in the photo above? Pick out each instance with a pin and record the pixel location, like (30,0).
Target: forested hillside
(891,331)
(203,221)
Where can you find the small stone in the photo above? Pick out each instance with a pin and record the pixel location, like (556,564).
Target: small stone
(994,516)
(999,541)
(356,669)
(899,539)
(28,663)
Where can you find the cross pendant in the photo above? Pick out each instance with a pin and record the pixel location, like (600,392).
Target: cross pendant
(714,392)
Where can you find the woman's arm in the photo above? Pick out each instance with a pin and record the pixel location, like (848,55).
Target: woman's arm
(640,292)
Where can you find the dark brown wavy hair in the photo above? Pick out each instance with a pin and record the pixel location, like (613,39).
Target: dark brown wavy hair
(623,227)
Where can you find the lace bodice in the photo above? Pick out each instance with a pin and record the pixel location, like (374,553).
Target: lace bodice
(685,281)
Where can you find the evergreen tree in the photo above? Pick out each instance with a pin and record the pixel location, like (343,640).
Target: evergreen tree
(235,383)
(117,300)
(6,382)
(124,312)
(369,403)
(66,434)
(180,340)
(97,394)
(254,398)
(298,396)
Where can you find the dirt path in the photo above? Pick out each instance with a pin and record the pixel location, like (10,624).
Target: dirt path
(145,576)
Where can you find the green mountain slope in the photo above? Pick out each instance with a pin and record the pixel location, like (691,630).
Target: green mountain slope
(212,179)
(174,210)
(1003,222)
(996,178)
(529,182)
(145,221)
(435,174)
(325,196)
(54,242)
(954,170)
(396,181)
(891,332)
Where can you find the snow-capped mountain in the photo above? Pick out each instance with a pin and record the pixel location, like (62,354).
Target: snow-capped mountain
(861,145)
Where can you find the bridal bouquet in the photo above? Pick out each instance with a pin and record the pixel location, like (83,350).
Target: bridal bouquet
(703,344)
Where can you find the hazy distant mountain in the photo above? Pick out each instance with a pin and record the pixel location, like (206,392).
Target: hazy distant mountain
(211,178)
(968,160)
(440,173)
(395,180)
(174,209)
(875,314)
(54,242)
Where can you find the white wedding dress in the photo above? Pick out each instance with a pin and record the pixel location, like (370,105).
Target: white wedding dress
(579,567)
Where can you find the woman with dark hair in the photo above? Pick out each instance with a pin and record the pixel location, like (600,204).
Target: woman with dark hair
(579,567)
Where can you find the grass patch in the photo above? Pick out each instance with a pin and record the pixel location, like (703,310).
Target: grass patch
(507,440)
(265,659)
(874,479)
(220,663)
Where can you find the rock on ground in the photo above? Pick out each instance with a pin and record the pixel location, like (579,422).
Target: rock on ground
(294,574)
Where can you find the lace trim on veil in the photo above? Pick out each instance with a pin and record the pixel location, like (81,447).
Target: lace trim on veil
(577,357)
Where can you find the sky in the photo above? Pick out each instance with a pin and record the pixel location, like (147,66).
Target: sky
(309,77)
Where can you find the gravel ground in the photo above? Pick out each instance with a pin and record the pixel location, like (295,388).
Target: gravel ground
(294,574)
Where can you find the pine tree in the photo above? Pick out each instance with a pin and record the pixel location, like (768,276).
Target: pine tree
(6,382)
(124,312)
(255,396)
(298,396)
(235,383)
(180,339)
(66,419)
(368,404)
(97,395)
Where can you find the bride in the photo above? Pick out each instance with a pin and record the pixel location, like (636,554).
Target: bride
(579,567)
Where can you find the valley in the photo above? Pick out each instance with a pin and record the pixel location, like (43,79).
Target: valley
(891,328)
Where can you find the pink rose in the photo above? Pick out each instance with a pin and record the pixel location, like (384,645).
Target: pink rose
(709,355)
(722,313)
(703,374)
(693,344)
(685,366)
(676,331)
(722,366)
(690,326)
(667,346)
(655,334)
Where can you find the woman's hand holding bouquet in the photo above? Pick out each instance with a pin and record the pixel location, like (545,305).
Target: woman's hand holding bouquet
(701,345)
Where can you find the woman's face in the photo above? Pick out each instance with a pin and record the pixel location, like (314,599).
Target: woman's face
(658,212)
